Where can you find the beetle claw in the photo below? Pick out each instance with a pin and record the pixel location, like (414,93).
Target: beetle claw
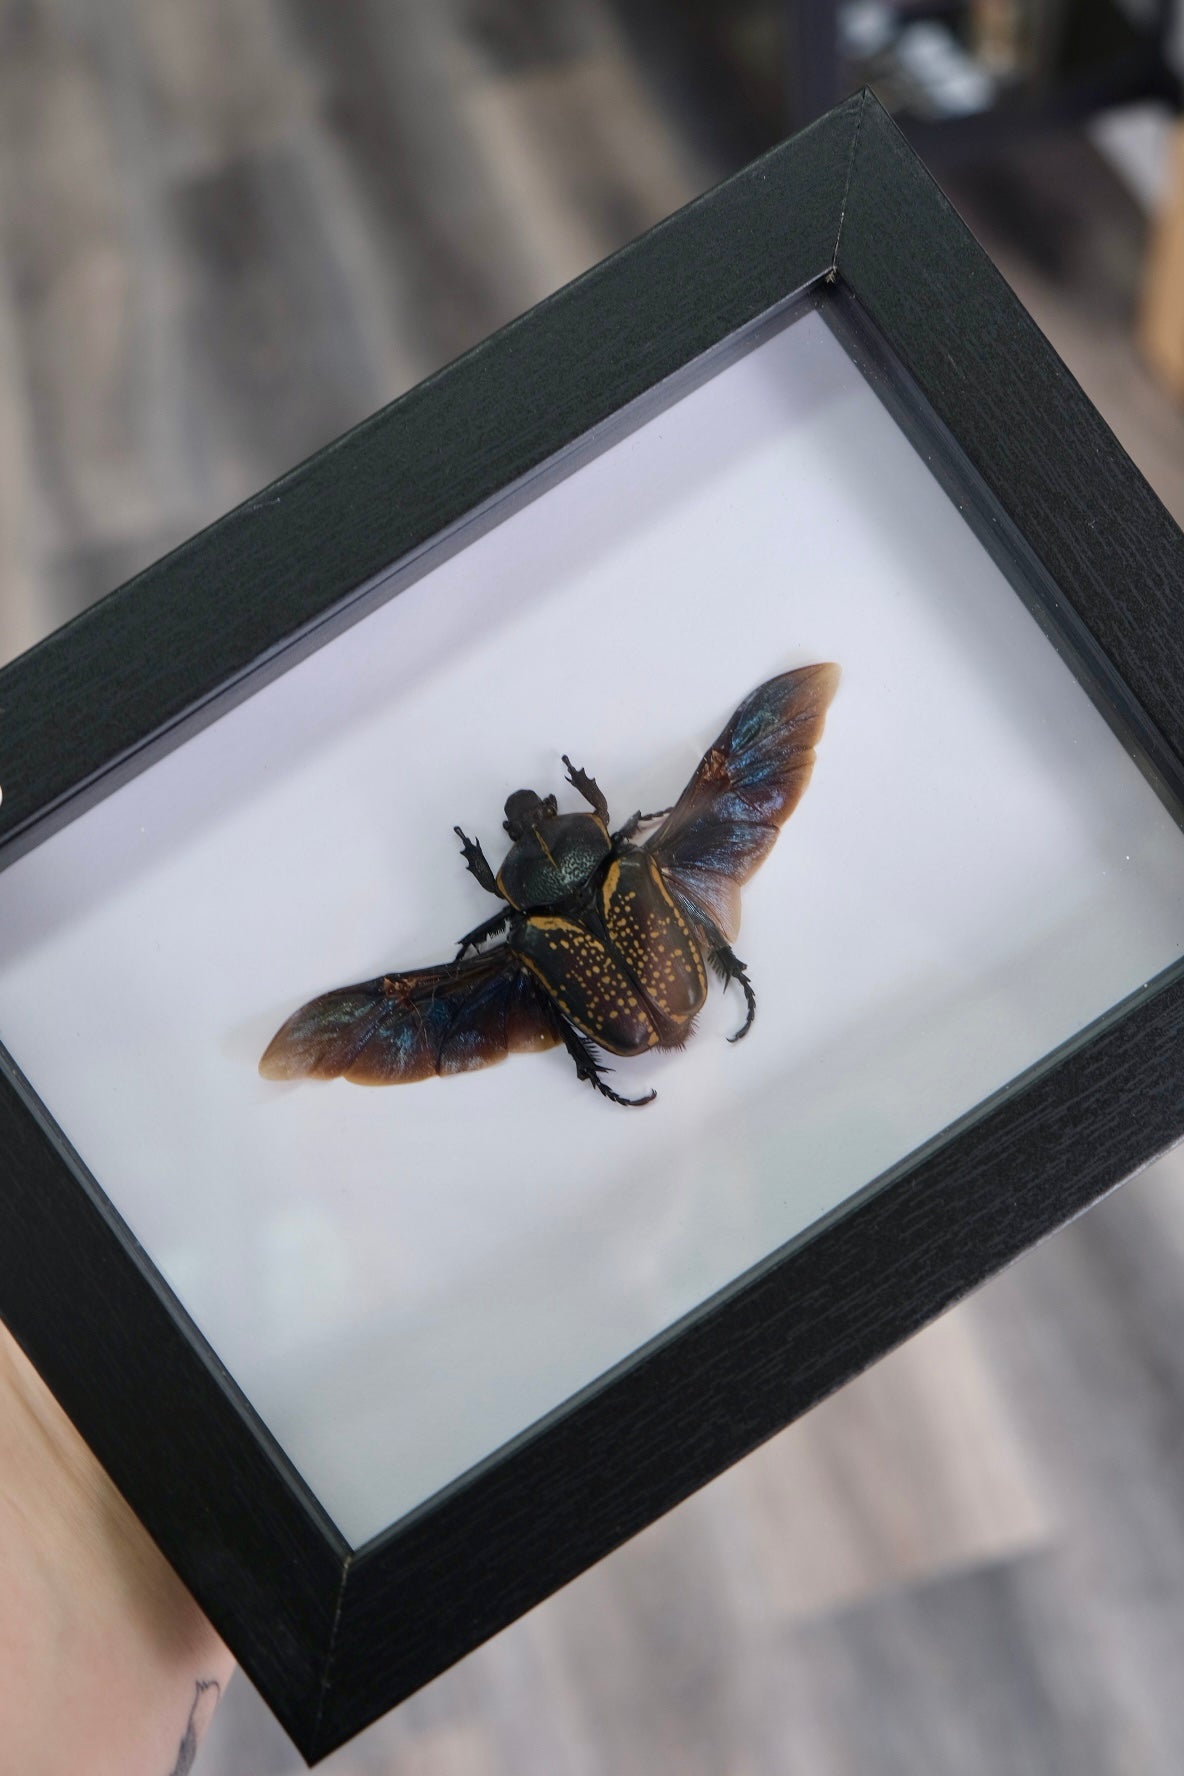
(629,1103)
(729,967)
(589,1068)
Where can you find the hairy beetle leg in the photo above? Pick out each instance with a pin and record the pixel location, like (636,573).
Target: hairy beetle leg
(639,819)
(729,967)
(491,928)
(589,1068)
(477,864)
(588,788)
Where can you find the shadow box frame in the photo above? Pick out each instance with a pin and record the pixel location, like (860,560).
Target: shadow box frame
(845,214)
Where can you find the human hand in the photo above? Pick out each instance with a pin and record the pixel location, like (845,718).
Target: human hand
(107,1665)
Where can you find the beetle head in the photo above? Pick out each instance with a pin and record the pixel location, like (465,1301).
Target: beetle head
(524,810)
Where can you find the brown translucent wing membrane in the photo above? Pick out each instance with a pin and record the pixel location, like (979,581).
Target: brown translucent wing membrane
(403,1027)
(747,785)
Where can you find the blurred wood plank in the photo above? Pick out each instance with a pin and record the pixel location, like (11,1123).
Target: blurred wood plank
(1070,239)
(1161,323)
(645,1664)
(915,1469)
(63,215)
(92,287)
(21,590)
(269,316)
(220,82)
(390,106)
(581,160)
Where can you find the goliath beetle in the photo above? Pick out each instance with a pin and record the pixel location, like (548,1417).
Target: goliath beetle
(604,942)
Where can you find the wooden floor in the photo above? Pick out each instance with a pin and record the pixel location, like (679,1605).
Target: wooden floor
(228,230)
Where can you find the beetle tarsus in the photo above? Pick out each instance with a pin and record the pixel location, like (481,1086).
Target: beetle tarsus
(729,967)
(477,863)
(589,1068)
(491,928)
(639,819)
(588,788)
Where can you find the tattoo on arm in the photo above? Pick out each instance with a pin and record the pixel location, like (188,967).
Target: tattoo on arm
(204,1704)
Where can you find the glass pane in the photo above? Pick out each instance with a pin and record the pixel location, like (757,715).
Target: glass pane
(402,1280)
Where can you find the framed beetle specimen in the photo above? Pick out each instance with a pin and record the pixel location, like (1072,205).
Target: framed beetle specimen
(608,942)
(420,1357)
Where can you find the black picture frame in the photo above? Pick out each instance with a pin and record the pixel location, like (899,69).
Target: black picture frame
(846,211)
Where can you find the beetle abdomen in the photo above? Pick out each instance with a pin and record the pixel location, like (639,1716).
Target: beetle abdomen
(587,983)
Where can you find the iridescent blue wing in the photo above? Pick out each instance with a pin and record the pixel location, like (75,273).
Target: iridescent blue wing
(747,785)
(403,1027)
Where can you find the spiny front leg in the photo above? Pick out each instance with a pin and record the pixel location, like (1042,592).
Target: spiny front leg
(477,863)
(588,788)
(729,967)
(491,928)
(589,1068)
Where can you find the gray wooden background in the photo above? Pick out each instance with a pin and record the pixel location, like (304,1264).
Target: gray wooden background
(228,230)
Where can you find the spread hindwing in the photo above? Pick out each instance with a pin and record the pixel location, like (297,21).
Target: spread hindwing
(405,1027)
(747,784)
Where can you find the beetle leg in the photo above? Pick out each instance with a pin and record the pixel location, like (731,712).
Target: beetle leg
(477,863)
(589,1068)
(479,933)
(729,967)
(635,820)
(588,788)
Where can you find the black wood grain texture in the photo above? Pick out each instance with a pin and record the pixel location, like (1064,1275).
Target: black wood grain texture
(163,1417)
(1021,420)
(100,699)
(759,1356)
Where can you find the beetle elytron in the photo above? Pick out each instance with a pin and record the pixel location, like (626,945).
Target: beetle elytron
(605,942)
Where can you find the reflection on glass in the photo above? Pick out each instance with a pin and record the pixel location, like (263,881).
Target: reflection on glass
(403,1280)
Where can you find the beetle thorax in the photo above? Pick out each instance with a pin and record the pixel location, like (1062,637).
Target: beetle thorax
(553,860)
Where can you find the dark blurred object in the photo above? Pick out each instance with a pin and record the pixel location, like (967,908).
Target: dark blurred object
(959,75)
